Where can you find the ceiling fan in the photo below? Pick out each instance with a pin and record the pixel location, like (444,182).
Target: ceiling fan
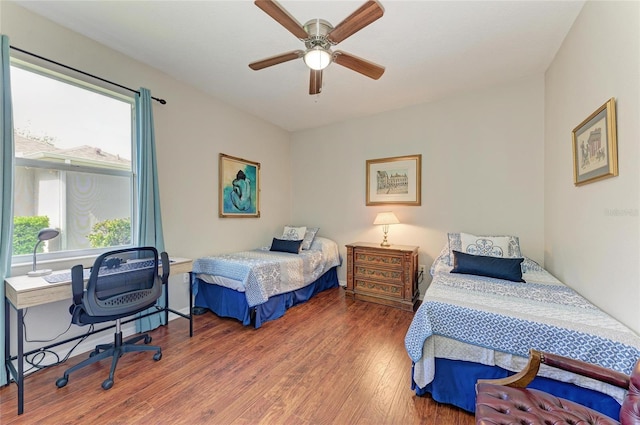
(319,36)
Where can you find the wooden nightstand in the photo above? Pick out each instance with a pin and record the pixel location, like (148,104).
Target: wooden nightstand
(383,275)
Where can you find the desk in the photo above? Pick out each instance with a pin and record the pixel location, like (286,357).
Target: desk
(24,291)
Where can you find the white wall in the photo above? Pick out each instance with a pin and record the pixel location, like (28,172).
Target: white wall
(592,232)
(496,160)
(191,130)
(482,170)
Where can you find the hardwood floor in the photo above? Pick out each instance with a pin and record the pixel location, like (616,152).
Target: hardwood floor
(328,361)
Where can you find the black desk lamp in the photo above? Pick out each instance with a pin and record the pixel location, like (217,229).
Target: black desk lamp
(43,235)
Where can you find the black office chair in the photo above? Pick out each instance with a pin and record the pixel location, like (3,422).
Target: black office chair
(122,283)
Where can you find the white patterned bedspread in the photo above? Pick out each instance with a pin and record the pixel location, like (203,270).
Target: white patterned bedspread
(264,273)
(496,322)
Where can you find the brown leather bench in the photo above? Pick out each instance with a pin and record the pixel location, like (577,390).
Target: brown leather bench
(508,401)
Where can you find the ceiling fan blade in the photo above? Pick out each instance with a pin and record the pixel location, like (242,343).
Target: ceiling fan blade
(366,14)
(274,60)
(315,82)
(277,12)
(357,64)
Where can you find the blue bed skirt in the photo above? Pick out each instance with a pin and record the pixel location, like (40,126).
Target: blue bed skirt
(455,382)
(226,302)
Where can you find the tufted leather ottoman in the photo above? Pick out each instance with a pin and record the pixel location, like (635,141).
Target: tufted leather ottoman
(499,404)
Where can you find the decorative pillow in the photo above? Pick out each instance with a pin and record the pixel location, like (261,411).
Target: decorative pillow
(283,245)
(481,265)
(294,233)
(309,235)
(484,245)
(492,246)
(528,265)
(443,258)
(321,244)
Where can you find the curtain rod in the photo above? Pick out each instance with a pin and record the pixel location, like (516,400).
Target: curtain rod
(162,101)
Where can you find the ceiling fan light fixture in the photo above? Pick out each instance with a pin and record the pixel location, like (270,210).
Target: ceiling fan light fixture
(317,58)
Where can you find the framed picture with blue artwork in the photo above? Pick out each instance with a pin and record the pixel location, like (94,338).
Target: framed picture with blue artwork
(239,191)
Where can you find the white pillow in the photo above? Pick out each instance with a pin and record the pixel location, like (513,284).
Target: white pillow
(291,233)
(493,246)
(489,246)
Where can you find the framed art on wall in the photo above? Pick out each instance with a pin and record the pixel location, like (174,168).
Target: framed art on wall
(239,191)
(394,180)
(595,146)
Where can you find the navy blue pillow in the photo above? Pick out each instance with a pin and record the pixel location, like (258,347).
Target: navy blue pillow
(283,245)
(480,265)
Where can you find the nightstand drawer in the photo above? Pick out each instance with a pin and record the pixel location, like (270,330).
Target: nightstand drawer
(388,275)
(378,288)
(377,259)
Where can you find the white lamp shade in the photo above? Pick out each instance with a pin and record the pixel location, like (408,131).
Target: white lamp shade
(386,218)
(317,58)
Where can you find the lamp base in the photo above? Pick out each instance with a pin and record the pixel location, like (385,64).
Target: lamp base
(385,231)
(42,272)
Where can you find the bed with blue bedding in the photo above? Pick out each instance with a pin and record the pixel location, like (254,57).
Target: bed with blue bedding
(259,285)
(476,326)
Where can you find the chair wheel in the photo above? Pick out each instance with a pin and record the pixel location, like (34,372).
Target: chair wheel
(107,384)
(147,339)
(61,382)
(157,356)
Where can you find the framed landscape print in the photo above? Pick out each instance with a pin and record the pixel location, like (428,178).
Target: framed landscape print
(394,180)
(595,146)
(239,191)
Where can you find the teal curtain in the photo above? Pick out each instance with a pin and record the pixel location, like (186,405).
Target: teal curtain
(6,183)
(149,231)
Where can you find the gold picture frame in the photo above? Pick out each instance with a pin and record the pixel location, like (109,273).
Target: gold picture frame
(394,181)
(595,146)
(239,187)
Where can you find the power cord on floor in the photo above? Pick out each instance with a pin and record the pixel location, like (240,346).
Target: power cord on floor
(36,359)
(26,338)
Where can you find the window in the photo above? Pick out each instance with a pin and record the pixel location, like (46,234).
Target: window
(73,157)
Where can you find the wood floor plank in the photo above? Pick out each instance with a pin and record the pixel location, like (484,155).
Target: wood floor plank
(328,361)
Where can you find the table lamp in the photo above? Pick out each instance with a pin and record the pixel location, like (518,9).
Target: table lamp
(43,235)
(386,218)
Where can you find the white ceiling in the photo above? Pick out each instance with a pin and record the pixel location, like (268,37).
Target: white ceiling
(431,49)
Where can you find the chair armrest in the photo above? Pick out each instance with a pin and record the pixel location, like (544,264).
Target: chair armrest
(77,283)
(587,369)
(522,378)
(165,267)
(526,375)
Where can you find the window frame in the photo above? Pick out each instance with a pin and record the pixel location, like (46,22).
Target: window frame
(96,87)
